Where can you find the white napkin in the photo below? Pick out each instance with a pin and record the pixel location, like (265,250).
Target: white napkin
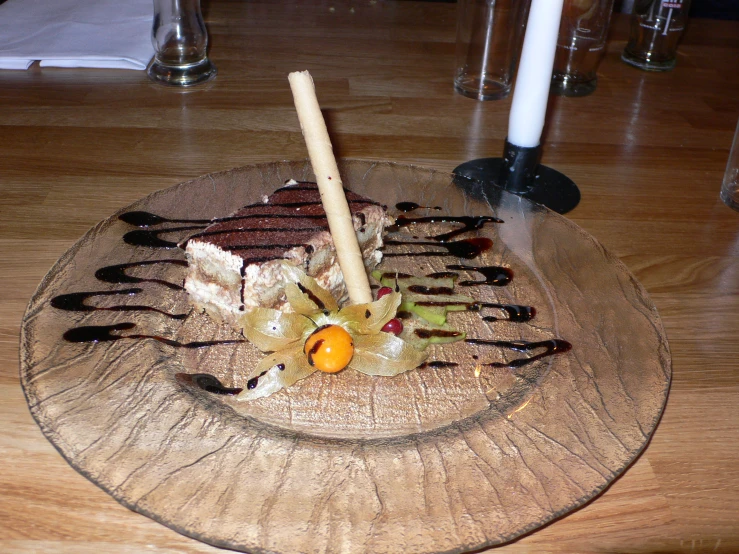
(76,33)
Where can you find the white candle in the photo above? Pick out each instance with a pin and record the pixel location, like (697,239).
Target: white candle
(529,105)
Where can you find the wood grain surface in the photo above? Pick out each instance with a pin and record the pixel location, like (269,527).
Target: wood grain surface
(647,150)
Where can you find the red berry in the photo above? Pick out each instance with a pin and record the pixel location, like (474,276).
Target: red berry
(383,291)
(394,326)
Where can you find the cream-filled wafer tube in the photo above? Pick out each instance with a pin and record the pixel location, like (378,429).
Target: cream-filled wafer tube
(330,187)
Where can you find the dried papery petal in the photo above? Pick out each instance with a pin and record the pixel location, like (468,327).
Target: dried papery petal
(277,371)
(311,290)
(384,354)
(369,318)
(271,330)
(299,301)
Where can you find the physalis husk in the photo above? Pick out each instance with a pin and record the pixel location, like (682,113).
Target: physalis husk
(284,334)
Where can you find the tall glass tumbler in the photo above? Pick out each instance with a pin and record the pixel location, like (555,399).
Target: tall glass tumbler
(180,42)
(581,46)
(656,28)
(489,38)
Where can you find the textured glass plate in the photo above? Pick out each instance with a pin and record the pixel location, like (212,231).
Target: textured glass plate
(439,459)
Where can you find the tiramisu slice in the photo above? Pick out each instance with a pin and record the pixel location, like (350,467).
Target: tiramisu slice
(235,263)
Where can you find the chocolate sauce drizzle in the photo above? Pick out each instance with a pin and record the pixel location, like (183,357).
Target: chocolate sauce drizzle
(252,383)
(312,297)
(412,206)
(437,364)
(469,223)
(314,228)
(147,219)
(207,382)
(150,238)
(444,274)
(75,302)
(465,248)
(438,333)
(516,312)
(495,275)
(550,347)
(117,273)
(436,291)
(104,333)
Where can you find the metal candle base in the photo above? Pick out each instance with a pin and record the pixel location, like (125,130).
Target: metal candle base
(520,172)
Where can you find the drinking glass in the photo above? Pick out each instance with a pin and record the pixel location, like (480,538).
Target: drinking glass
(180,41)
(580,46)
(489,38)
(730,185)
(656,28)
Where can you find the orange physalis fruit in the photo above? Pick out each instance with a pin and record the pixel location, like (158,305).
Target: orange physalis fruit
(329,348)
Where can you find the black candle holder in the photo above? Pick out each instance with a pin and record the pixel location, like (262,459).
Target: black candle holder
(520,172)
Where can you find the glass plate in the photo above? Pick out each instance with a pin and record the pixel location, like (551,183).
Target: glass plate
(471,451)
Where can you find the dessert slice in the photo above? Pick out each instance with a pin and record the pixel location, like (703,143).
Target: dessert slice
(234,264)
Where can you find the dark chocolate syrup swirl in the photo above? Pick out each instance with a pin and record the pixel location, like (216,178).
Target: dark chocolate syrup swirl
(298,205)
(252,383)
(438,333)
(412,206)
(314,350)
(436,291)
(207,382)
(465,248)
(496,276)
(117,273)
(516,312)
(550,347)
(468,222)
(444,274)
(150,238)
(104,333)
(242,272)
(314,228)
(146,219)
(75,302)
(260,247)
(312,297)
(437,364)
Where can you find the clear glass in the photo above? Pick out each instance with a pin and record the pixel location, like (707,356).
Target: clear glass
(489,38)
(580,46)
(180,41)
(348,463)
(730,186)
(656,28)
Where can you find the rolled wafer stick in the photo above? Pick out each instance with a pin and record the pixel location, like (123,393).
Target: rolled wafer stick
(330,187)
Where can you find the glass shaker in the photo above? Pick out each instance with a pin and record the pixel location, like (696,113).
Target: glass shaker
(656,28)
(180,41)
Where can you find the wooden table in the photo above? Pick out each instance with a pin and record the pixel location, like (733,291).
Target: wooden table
(648,151)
